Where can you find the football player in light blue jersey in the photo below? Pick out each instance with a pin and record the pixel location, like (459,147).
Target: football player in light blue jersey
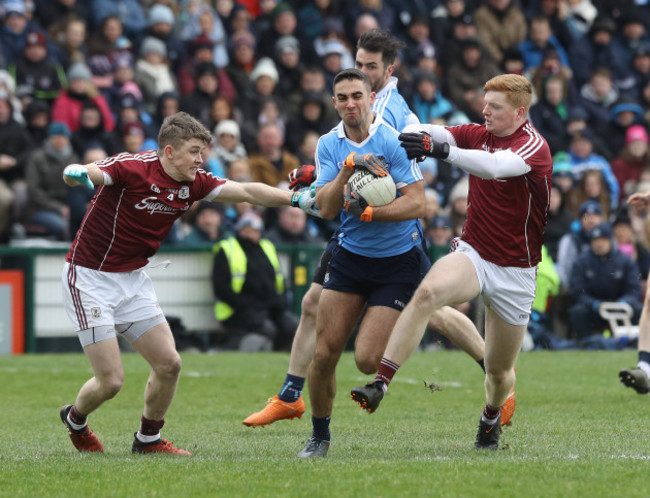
(379,260)
(374,240)
(376,54)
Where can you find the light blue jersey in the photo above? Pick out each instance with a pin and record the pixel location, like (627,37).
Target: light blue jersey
(374,239)
(392,107)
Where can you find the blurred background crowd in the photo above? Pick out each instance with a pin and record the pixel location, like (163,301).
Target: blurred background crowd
(84,79)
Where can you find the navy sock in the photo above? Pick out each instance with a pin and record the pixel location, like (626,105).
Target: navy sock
(321,427)
(481,363)
(292,388)
(644,356)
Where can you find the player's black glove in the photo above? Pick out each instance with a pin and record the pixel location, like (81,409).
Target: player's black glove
(356,205)
(302,177)
(419,145)
(370,162)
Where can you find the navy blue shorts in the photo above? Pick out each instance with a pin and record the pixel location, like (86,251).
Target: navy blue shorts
(319,274)
(387,281)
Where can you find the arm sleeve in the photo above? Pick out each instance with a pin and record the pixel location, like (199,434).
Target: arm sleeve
(501,164)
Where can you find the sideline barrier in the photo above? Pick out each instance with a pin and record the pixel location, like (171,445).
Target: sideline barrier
(184,289)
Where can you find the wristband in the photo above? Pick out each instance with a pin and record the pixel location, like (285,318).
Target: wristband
(367,214)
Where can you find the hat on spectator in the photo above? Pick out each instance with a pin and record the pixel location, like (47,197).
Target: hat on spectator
(15,7)
(243,38)
(601,231)
(426,50)
(227,126)
(132,128)
(123,59)
(265,67)
(631,16)
(585,134)
(79,71)
(466,18)
(201,41)
(129,101)
(161,14)
(419,19)
(470,41)
(205,68)
(440,221)
(642,50)
(420,76)
(35,39)
(332,25)
(281,8)
(603,23)
(58,128)
(636,132)
(627,103)
(590,207)
(249,220)
(577,113)
(333,47)
(287,43)
(561,164)
(551,53)
(152,45)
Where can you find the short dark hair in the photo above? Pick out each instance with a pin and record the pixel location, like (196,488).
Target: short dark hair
(179,128)
(381,40)
(352,74)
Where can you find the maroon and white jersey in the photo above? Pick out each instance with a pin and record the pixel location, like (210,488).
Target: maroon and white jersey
(506,216)
(127,221)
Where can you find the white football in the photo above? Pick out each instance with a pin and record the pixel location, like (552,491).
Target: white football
(376,191)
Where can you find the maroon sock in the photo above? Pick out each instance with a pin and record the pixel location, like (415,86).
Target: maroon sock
(150,427)
(386,371)
(490,413)
(76,417)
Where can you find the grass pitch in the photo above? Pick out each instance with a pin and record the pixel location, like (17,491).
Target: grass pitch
(576,432)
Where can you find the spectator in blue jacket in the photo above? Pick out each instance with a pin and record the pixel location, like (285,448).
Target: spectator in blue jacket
(428,104)
(602,273)
(595,50)
(540,38)
(583,158)
(130,12)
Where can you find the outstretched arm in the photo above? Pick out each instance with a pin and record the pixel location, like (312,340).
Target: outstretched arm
(79,174)
(254,193)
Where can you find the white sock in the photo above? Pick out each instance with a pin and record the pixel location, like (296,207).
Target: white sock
(74,426)
(147,439)
(645,367)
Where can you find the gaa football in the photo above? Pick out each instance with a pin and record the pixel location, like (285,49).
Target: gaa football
(376,191)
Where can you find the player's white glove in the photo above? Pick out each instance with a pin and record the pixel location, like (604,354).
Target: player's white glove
(305,199)
(79,174)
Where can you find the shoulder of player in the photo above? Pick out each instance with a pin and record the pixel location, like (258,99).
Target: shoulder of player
(528,142)
(127,158)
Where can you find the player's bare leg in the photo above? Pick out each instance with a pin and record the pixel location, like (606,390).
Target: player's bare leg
(502,345)
(291,404)
(458,328)
(158,348)
(338,312)
(105,360)
(451,280)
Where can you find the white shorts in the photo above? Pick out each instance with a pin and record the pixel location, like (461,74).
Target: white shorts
(508,290)
(100,302)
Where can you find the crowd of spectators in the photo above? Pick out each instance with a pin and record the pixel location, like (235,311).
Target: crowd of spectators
(84,79)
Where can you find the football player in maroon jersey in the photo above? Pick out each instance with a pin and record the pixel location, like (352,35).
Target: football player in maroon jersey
(105,288)
(497,254)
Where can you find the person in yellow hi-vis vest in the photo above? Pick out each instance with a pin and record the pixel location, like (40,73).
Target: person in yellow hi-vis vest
(249,287)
